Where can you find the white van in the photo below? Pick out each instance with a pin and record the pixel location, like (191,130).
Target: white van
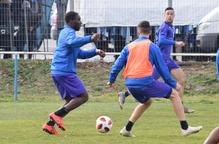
(208,32)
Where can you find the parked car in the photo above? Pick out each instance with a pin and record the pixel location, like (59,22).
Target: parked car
(208,32)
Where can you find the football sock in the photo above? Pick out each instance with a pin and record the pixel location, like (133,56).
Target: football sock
(129,126)
(127,93)
(62,112)
(184,125)
(51,122)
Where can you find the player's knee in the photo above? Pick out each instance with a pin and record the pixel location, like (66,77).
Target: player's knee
(182,80)
(148,102)
(84,97)
(174,95)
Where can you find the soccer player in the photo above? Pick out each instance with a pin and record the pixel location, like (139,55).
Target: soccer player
(64,72)
(165,40)
(138,58)
(213,137)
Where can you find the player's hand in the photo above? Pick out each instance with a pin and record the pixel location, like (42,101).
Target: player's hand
(180,44)
(101,53)
(95,37)
(178,86)
(111,85)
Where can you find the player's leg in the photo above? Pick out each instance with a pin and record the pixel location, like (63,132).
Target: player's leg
(51,123)
(75,94)
(143,95)
(138,111)
(71,103)
(161,90)
(136,114)
(76,101)
(179,110)
(180,76)
(73,91)
(121,98)
(49,126)
(177,106)
(213,137)
(58,115)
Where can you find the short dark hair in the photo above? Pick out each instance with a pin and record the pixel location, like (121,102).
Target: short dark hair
(144,27)
(70,16)
(169,8)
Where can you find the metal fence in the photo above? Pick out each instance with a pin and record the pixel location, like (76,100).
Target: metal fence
(34,25)
(24,25)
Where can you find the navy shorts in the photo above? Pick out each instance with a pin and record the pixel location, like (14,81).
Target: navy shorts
(69,85)
(156,89)
(171,64)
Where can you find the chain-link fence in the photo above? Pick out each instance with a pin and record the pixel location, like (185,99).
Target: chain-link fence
(24,25)
(34,25)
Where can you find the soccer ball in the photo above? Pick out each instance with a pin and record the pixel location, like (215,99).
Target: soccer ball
(103,124)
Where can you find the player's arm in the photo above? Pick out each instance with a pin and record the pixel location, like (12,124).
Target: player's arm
(163,37)
(118,65)
(76,41)
(164,40)
(157,59)
(83,54)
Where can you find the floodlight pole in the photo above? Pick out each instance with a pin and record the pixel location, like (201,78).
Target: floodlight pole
(71,5)
(16,77)
(170,3)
